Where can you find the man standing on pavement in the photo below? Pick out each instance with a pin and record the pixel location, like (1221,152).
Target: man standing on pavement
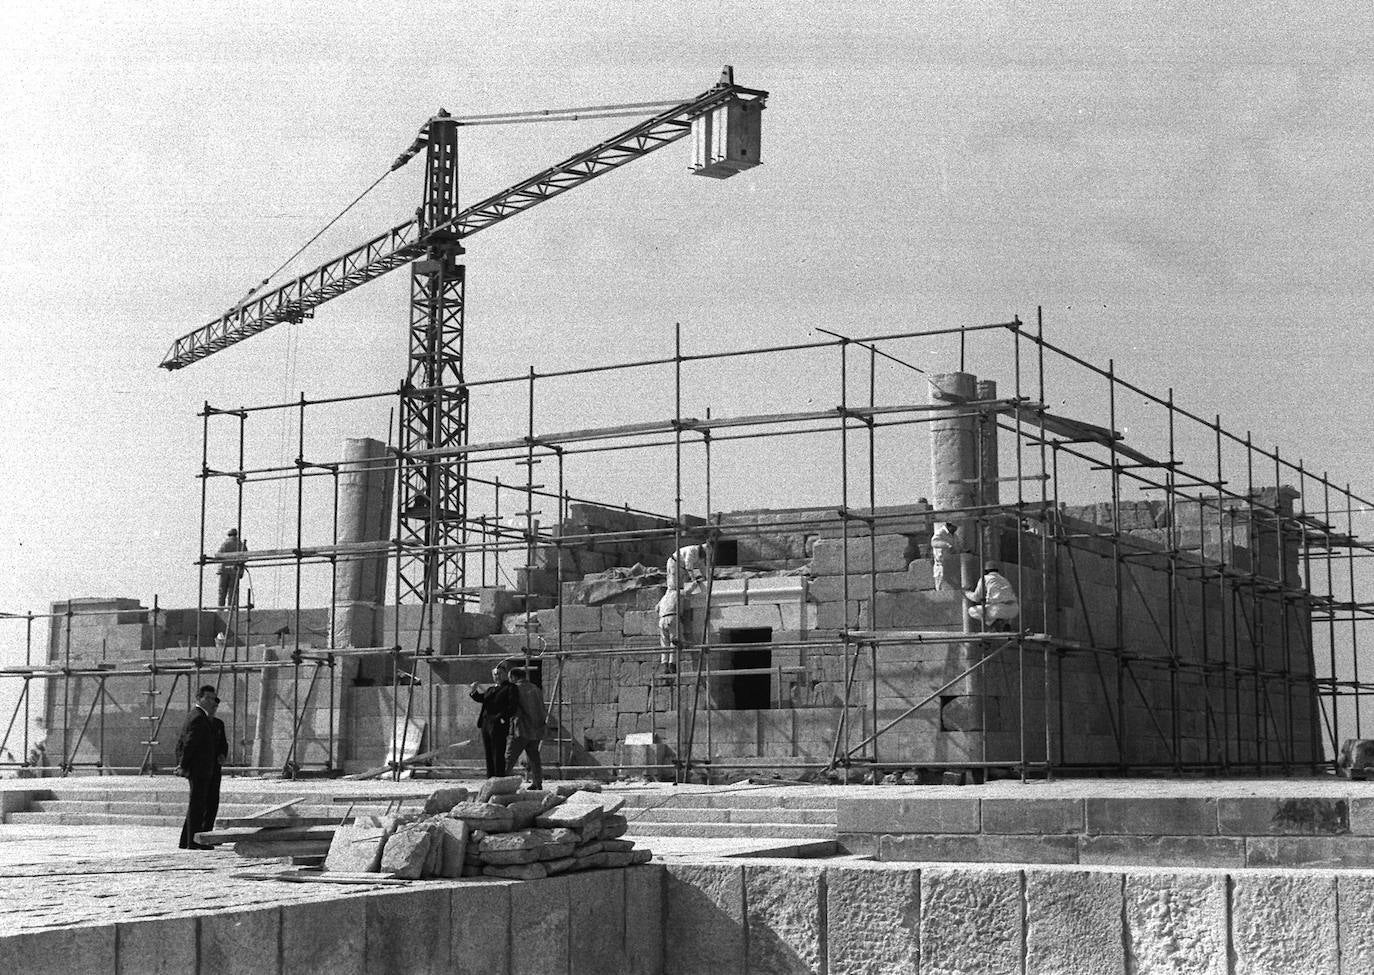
(201,749)
(499,701)
(530,727)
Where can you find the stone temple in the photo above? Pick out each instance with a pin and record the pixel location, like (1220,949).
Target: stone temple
(842,770)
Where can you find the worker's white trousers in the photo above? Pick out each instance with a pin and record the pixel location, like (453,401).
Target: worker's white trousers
(985,613)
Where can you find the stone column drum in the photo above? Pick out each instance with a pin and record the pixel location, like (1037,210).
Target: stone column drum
(989,491)
(365,498)
(954,453)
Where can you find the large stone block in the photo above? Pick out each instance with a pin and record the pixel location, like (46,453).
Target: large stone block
(1032,816)
(1163,851)
(1260,816)
(1355,921)
(159,946)
(784,914)
(919,610)
(61,951)
(888,553)
(877,815)
(480,921)
(644,920)
(247,942)
(539,913)
(873,919)
(393,920)
(971,921)
(978,848)
(1152,816)
(596,922)
(1177,922)
(324,937)
(1344,852)
(1283,922)
(1073,922)
(704,908)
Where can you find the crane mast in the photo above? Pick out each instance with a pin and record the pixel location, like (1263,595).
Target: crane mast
(432,494)
(434,402)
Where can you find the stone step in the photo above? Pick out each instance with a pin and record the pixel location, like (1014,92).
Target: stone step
(226,810)
(742,830)
(1125,850)
(93,819)
(733,800)
(674,814)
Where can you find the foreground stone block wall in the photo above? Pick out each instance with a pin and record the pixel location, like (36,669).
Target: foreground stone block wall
(610,923)
(860,918)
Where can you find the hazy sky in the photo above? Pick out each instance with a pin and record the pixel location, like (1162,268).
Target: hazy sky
(1184,187)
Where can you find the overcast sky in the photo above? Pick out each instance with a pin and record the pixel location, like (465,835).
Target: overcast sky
(1184,187)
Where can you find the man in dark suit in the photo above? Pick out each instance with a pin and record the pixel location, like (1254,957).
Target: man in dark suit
(201,748)
(529,728)
(499,702)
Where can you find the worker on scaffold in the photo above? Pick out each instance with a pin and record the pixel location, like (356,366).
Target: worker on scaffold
(994,602)
(945,548)
(686,571)
(230,572)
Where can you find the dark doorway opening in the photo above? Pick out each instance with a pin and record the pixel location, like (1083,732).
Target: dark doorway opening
(751,692)
(727,552)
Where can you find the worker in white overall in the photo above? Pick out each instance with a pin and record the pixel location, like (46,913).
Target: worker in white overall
(945,548)
(686,570)
(994,602)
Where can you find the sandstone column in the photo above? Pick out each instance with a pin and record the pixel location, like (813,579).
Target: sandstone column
(954,451)
(365,497)
(988,488)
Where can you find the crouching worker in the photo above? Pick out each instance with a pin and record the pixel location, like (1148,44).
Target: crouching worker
(529,728)
(994,602)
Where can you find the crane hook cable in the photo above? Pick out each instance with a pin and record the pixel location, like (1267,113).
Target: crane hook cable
(300,250)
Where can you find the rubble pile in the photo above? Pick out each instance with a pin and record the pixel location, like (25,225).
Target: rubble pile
(501,831)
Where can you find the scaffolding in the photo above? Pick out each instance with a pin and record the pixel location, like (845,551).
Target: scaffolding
(1223,697)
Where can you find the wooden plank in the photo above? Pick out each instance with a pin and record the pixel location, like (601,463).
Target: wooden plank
(381,770)
(308,875)
(278,822)
(288,834)
(371,799)
(293,848)
(277,808)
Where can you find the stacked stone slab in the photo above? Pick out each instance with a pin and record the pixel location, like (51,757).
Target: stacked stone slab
(501,831)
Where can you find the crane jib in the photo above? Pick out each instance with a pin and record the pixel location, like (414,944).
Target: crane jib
(298,298)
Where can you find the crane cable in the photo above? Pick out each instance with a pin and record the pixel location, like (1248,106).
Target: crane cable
(300,250)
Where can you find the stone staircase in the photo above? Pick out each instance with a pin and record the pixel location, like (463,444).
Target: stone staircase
(158,804)
(720,813)
(723,813)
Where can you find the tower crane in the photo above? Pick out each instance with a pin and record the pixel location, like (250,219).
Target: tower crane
(724,122)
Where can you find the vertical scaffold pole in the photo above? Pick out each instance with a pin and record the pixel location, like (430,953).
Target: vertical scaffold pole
(1045,622)
(873,539)
(1020,556)
(1119,623)
(851,660)
(1335,686)
(676,653)
(1172,605)
(1349,499)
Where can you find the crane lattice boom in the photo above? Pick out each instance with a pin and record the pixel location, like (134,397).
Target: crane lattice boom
(298,298)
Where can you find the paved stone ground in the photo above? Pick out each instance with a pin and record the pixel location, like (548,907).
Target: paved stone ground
(55,876)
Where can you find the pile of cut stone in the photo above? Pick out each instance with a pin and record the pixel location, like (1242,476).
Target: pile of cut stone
(502,831)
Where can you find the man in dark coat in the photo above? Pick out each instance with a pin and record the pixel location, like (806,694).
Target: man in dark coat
(531,725)
(201,748)
(499,701)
